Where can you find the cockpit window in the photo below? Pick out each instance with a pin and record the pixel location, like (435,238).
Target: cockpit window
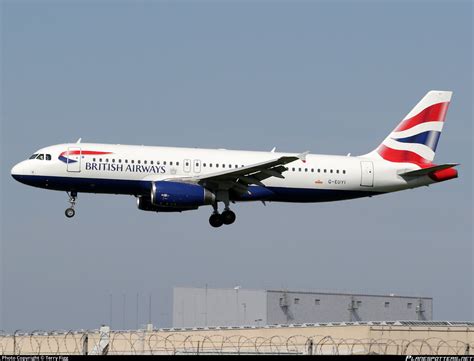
(34,156)
(40,157)
(48,156)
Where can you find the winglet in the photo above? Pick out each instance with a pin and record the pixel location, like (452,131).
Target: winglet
(302,156)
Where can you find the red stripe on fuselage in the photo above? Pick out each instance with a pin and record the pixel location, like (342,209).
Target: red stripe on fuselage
(84,152)
(434,113)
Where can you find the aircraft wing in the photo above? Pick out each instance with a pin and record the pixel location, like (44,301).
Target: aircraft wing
(239,179)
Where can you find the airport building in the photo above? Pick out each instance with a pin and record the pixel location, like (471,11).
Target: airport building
(203,307)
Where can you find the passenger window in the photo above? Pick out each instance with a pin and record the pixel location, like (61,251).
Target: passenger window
(210,165)
(132,161)
(293,169)
(203,164)
(164,163)
(299,169)
(319,170)
(223,165)
(93,159)
(120,160)
(312,170)
(151,162)
(343,172)
(41,157)
(325,171)
(157,162)
(230,165)
(337,171)
(113,160)
(145,162)
(106,160)
(177,163)
(100,160)
(139,161)
(330,171)
(236,166)
(48,156)
(306,169)
(171,163)
(217,165)
(126,160)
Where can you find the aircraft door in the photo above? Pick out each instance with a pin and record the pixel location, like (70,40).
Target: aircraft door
(187,165)
(367,174)
(73,157)
(197,166)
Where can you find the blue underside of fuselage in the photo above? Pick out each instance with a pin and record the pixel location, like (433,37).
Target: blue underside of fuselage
(138,187)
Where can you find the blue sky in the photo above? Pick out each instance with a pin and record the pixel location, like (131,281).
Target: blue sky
(329,77)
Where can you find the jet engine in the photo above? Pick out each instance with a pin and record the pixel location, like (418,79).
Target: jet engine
(175,197)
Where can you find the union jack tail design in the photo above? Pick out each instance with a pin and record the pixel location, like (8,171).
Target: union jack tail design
(415,139)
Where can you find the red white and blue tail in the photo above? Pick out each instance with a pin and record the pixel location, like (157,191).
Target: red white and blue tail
(415,139)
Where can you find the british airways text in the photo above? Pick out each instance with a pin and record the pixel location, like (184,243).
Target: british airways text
(114,167)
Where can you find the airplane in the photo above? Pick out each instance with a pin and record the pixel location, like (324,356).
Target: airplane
(167,179)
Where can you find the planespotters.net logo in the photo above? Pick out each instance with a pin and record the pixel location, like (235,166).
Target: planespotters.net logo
(439,358)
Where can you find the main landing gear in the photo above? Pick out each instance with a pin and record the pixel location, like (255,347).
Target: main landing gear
(70,212)
(218,219)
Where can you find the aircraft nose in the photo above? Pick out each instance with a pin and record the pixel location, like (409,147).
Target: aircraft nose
(18,170)
(15,171)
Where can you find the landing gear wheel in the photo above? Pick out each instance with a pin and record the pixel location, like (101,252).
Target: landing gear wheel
(70,212)
(215,220)
(228,217)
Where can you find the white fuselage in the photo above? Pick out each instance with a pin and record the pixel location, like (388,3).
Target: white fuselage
(128,169)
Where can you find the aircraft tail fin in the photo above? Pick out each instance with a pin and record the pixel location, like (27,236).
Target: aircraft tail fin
(415,139)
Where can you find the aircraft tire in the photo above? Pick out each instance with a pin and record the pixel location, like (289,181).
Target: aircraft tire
(70,212)
(228,217)
(215,220)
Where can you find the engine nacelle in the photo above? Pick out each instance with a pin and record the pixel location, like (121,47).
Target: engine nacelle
(175,194)
(144,204)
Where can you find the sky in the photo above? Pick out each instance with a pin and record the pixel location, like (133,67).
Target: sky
(328,77)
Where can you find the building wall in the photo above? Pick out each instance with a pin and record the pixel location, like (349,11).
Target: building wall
(201,307)
(310,307)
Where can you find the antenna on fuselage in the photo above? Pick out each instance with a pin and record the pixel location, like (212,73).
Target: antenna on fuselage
(79,140)
(273,150)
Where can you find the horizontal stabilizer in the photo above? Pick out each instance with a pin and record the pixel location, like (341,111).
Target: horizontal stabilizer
(427,171)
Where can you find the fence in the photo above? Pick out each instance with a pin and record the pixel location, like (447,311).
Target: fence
(104,341)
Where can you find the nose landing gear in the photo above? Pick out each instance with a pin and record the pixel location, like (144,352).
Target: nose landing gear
(70,212)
